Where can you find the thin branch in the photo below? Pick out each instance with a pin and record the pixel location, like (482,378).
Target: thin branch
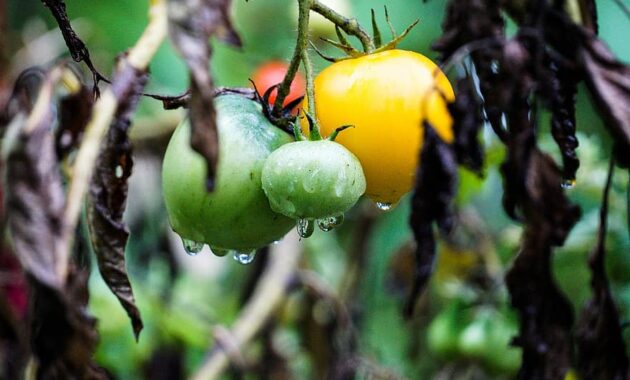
(267,296)
(138,59)
(350,26)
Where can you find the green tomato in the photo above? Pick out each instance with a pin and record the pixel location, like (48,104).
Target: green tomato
(500,356)
(473,341)
(236,215)
(443,332)
(312,179)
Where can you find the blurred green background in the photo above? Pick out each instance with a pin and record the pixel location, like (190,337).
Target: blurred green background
(182,298)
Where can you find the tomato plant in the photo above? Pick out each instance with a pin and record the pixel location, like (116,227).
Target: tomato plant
(236,216)
(386,96)
(270,74)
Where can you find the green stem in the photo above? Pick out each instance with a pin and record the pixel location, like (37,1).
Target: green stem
(310,95)
(350,26)
(300,46)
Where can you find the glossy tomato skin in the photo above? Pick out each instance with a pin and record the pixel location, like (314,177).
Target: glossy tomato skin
(386,96)
(237,214)
(312,179)
(272,73)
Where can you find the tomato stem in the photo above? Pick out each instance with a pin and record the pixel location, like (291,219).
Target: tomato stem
(300,46)
(310,95)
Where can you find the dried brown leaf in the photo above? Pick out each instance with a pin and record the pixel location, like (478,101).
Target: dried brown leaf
(63,334)
(108,192)
(431,204)
(191,24)
(608,81)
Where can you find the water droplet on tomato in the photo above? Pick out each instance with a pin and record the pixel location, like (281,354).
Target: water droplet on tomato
(385,206)
(219,251)
(568,183)
(244,257)
(192,247)
(310,181)
(329,223)
(305,227)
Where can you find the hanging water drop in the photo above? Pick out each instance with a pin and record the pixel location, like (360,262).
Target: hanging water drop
(305,227)
(568,183)
(219,251)
(192,247)
(329,223)
(244,257)
(385,206)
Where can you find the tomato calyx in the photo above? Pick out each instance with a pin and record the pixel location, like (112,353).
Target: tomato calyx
(286,118)
(314,133)
(350,52)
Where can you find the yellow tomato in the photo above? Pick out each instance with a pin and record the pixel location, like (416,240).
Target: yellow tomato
(385,96)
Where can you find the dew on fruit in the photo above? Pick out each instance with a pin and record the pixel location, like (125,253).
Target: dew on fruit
(244,257)
(340,184)
(219,251)
(568,183)
(192,247)
(310,181)
(330,222)
(305,227)
(385,206)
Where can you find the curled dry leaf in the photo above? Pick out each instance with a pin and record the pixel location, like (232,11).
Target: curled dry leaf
(64,336)
(191,24)
(431,203)
(108,192)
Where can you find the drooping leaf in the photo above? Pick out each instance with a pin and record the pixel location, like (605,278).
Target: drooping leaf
(63,334)
(608,81)
(108,192)
(478,23)
(431,204)
(191,24)
(600,345)
(563,118)
(467,125)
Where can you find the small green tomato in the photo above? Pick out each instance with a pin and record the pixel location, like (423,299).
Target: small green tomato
(312,180)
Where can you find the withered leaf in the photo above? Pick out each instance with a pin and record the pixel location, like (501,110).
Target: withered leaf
(600,345)
(533,186)
(74,113)
(191,24)
(431,203)
(108,192)
(467,124)
(63,334)
(608,81)
(564,90)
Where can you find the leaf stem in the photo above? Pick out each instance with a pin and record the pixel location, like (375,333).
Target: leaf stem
(348,25)
(300,46)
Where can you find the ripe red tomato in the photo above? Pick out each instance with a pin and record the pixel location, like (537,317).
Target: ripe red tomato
(272,73)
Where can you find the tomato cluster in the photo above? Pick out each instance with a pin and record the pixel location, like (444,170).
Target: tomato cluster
(266,181)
